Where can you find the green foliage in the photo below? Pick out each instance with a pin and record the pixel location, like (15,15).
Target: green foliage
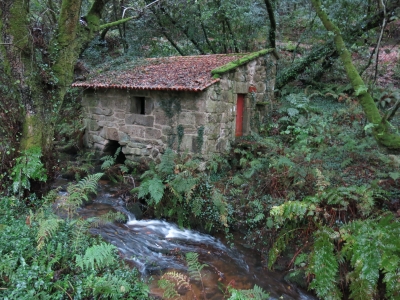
(324,265)
(28,166)
(175,190)
(109,161)
(78,193)
(99,256)
(46,257)
(154,188)
(194,267)
(171,282)
(255,293)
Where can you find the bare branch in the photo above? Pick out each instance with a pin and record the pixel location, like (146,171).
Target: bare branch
(130,7)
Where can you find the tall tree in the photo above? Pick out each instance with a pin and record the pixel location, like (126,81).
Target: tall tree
(39,57)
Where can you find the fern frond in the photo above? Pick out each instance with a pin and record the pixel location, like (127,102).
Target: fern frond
(99,256)
(194,267)
(169,289)
(79,233)
(256,293)
(110,287)
(324,266)
(89,183)
(172,282)
(107,218)
(153,187)
(167,164)
(47,228)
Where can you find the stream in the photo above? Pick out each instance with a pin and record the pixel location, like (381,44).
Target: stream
(155,247)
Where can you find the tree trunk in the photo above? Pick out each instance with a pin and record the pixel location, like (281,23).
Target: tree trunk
(381,127)
(41,73)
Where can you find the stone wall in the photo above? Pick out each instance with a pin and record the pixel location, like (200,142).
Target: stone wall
(202,122)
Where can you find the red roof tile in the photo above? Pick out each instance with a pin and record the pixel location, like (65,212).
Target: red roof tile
(177,73)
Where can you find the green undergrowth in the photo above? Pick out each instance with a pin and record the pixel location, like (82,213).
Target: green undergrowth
(312,191)
(44,256)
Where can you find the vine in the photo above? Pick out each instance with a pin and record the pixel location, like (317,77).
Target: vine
(200,138)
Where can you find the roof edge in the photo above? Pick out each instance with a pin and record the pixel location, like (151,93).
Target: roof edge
(241,61)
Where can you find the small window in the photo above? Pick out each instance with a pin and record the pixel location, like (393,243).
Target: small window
(138,105)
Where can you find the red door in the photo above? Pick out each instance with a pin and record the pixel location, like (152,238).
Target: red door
(239,115)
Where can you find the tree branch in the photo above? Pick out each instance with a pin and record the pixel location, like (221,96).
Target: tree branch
(272,23)
(116,23)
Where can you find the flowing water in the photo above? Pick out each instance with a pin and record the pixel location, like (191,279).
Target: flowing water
(156,247)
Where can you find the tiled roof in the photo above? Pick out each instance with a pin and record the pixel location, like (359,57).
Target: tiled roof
(177,73)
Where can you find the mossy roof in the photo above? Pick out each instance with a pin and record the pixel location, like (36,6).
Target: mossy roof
(177,73)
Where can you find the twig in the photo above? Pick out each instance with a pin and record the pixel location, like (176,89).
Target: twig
(130,7)
(380,39)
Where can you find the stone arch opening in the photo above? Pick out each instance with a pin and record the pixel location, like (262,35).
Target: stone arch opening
(111,148)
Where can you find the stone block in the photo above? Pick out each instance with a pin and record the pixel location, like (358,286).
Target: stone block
(239,76)
(132,151)
(121,104)
(152,133)
(101,111)
(187,118)
(106,123)
(260,86)
(227,96)
(98,139)
(145,152)
(136,119)
(221,145)
(166,130)
(136,145)
(200,118)
(212,131)
(119,115)
(112,134)
(149,106)
(241,87)
(123,138)
(91,125)
(97,146)
(133,131)
(212,106)
(214,118)
(187,143)
(161,118)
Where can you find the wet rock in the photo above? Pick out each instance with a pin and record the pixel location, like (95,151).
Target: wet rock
(135,209)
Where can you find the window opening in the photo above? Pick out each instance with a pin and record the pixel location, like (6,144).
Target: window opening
(138,105)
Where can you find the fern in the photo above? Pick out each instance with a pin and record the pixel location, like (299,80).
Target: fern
(172,282)
(78,193)
(324,266)
(47,228)
(80,229)
(107,218)
(109,161)
(194,267)
(110,287)
(153,187)
(99,256)
(167,164)
(256,293)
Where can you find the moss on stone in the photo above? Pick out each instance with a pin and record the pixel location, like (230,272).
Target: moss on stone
(239,62)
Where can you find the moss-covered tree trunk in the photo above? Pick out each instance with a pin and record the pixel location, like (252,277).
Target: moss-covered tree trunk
(42,72)
(381,129)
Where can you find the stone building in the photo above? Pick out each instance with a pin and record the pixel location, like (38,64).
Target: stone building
(198,104)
